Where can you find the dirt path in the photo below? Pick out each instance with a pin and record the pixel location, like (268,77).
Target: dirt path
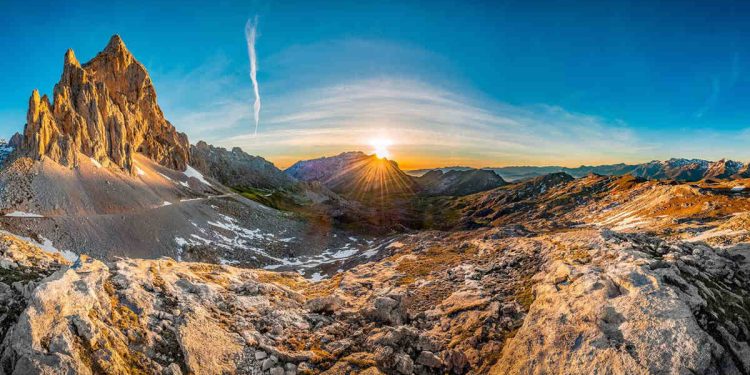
(164,204)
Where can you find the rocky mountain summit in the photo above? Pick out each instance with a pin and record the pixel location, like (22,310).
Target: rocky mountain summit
(459,182)
(238,169)
(357,175)
(105,109)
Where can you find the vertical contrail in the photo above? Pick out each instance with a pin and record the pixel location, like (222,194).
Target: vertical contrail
(250,32)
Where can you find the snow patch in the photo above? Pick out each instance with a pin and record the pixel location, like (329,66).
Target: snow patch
(738,188)
(316,277)
(341,254)
(45,245)
(139,171)
(191,172)
(166,204)
(95,163)
(227,262)
(23,214)
(180,241)
(630,222)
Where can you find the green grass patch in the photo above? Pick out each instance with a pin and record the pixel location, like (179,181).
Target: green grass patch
(278,199)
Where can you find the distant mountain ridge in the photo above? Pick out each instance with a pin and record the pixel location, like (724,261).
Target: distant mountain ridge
(235,168)
(680,169)
(459,182)
(356,175)
(422,172)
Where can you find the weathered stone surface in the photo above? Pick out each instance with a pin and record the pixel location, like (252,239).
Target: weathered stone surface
(429,359)
(105,109)
(579,301)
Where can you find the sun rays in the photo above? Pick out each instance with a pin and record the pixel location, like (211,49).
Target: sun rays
(373,178)
(380,147)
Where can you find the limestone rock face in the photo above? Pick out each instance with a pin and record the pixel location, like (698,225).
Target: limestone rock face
(105,109)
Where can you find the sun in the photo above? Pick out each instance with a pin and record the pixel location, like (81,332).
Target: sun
(380,147)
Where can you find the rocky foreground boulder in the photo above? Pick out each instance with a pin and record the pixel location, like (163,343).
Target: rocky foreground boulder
(486,301)
(105,109)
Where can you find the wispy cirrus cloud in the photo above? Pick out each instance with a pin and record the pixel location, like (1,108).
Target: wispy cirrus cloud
(251,32)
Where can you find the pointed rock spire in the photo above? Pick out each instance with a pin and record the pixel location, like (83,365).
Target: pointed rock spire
(70,58)
(34,96)
(116,45)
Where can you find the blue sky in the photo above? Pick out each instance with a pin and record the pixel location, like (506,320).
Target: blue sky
(473,82)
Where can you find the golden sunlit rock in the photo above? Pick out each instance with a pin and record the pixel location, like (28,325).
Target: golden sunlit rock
(105,109)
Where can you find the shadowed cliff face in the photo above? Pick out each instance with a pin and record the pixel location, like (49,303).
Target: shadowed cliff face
(105,109)
(237,169)
(457,183)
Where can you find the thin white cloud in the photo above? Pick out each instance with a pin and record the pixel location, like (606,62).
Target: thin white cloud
(712,99)
(251,31)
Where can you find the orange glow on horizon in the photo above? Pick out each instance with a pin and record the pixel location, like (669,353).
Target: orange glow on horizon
(411,159)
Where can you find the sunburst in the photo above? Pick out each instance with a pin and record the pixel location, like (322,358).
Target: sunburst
(380,147)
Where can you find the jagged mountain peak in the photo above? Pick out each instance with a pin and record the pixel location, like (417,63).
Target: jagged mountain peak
(238,169)
(115,50)
(459,182)
(105,109)
(356,174)
(70,58)
(115,43)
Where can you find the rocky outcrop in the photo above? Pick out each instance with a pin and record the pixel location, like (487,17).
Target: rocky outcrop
(484,301)
(22,267)
(146,317)
(237,169)
(105,109)
(639,306)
